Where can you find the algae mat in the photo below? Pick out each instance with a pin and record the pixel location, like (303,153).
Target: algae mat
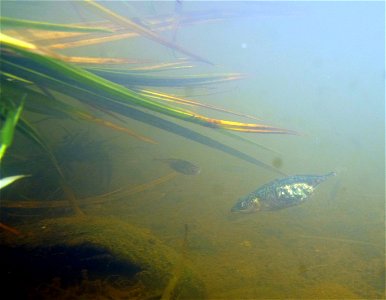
(158,267)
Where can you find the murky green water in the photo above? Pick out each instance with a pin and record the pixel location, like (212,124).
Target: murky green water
(316,68)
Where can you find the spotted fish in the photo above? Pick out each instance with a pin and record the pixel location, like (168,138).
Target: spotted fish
(280,193)
(182,166)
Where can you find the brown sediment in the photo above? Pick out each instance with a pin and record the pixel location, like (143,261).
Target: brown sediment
(327,238)
(329,290)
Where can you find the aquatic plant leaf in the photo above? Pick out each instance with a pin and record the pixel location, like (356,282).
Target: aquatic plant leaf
(72,74)
(160,23)
(181,114)
(177,129)
(78,40)
(129,78)
(97,60)
(11,114)
(63,73)
(31,133)
(8,23)
(114,17)
(10,179)
(150,119)
(245,140)
(13,77)
(183,64)
(49,105)
(91,89)
(167,97)
(6,39)
(244,127)
(81,41)
(76,113)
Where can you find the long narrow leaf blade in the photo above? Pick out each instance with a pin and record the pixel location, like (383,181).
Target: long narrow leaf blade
(70,74)
(11,116)
(9,180)
(114,17)
(7,23)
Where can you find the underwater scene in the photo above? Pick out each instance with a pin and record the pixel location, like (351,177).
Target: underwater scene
(192,149)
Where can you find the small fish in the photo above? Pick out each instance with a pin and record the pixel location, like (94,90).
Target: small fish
(280,193)
(182,166)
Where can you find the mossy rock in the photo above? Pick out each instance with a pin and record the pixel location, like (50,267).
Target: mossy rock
(106,240)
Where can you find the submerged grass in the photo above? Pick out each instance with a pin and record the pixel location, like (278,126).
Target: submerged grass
(58,75)
(10,23)
(28,68)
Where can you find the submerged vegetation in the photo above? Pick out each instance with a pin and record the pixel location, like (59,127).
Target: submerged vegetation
(122,150)
(88,88)
(38,79)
